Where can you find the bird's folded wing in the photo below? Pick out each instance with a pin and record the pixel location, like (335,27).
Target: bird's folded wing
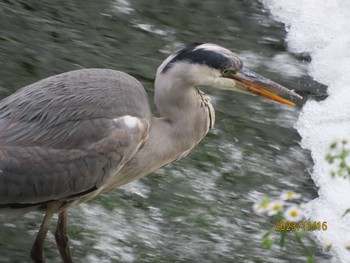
(68,134)
(32,174)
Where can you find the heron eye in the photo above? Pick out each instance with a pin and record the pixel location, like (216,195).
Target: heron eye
(225,71)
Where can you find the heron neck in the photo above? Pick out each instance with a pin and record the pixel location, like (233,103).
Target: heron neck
(187,109)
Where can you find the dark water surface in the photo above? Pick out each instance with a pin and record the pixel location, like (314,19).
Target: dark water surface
(199,208)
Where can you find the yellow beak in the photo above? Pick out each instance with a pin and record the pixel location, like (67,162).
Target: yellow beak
(255,84)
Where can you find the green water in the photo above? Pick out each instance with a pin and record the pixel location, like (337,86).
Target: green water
(198,209)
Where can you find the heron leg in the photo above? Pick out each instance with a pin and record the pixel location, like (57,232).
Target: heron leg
(62,238)
(37,249)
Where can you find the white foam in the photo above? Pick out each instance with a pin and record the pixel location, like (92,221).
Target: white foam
(123,6)
(322,28)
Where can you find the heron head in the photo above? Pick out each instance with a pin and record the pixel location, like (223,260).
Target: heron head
(204,64)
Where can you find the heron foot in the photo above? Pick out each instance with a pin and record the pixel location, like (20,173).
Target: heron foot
(62,238)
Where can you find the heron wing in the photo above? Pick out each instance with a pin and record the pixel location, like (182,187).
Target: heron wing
(69,134)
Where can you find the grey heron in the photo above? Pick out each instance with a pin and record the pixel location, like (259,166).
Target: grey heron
(67,138)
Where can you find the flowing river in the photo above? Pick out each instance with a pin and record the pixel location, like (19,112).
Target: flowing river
(198,209)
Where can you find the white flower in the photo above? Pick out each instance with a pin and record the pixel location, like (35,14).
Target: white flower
(262,207)
(293,214)
(290,195)
(304,209)
(275,207)
(303,206)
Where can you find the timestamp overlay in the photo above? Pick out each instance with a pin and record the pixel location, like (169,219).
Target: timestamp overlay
(302,225)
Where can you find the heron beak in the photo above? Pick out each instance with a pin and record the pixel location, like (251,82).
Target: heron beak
(255,84)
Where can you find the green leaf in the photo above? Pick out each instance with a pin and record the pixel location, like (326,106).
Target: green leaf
(267,243)
(329,158)
(333,145)
(310,259)
(268,233)
(332,173)
(283,236)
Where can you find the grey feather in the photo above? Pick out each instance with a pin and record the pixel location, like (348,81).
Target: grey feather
(59,137)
